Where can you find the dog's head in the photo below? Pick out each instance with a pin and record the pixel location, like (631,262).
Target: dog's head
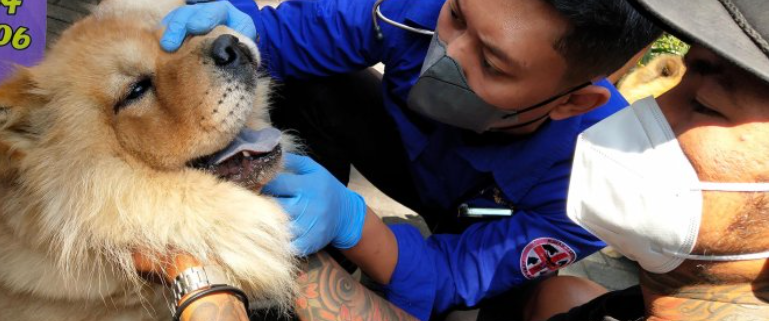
(108,87)
(109,115)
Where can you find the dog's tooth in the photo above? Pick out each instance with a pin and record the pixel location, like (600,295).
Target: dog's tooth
(245,154)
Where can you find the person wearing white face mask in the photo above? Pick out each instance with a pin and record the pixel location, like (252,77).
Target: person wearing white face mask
(681,184)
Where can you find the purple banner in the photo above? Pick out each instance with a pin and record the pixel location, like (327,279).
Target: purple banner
(22,33)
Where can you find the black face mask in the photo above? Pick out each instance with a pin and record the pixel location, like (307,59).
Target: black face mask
(443,94)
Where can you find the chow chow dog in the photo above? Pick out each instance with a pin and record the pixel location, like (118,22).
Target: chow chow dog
(110,147)
(655,78)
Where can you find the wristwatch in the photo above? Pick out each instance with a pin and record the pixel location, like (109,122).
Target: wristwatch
(195,278)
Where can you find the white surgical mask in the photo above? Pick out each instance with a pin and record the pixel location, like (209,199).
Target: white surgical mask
(633,187)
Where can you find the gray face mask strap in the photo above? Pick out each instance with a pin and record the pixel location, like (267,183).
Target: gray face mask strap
(520,125)
(553,98)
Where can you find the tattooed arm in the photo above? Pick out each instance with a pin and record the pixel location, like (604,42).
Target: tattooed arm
(216,307)
(163,269)
(328,292)
(681,296)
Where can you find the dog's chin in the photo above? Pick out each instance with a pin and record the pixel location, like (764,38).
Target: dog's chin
(251,172)
(250,168)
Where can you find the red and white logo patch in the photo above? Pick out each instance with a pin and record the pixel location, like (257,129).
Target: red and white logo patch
(545,255)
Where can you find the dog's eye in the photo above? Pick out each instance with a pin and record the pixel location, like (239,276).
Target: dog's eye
(136,91)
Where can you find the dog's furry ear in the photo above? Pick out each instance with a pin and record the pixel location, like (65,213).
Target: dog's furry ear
(19,101)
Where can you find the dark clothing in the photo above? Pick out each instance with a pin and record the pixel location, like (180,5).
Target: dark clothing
(623,305)
(341,121)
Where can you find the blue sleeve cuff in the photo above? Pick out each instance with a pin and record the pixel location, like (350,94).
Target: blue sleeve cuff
(413,285)
(247,6)
(250,7)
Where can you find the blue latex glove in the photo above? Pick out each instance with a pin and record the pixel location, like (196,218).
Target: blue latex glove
(321,209)
(201,18)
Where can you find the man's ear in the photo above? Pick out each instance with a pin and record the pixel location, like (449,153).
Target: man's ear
(581,101)
(19,102)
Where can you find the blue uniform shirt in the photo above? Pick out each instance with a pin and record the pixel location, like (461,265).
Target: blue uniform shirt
(302,39)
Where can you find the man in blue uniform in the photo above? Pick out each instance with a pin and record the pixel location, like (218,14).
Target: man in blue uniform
(480,108)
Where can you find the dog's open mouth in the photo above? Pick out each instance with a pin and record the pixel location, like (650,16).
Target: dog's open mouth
(247,160)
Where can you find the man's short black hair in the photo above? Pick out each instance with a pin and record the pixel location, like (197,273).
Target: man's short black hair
(604,35)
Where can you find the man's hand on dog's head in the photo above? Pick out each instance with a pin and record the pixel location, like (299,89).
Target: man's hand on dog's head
(200,19)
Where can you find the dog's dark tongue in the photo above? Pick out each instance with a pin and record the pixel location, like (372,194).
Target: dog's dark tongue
(250,141)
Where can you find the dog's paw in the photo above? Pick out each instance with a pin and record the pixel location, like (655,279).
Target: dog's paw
(248,235)
(254,244)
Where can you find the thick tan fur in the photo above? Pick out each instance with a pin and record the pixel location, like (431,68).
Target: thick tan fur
(655,78)
(83,186)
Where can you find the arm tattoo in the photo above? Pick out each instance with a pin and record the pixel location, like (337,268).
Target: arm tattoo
(327,292)
(708,301)
(727,306)
(216,308)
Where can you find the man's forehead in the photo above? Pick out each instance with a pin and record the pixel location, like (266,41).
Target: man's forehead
(510,29)
(502,19)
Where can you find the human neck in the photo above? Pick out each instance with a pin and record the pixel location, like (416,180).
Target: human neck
(666,297)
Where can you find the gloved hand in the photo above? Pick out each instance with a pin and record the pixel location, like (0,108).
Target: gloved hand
(201,18)
(321,209)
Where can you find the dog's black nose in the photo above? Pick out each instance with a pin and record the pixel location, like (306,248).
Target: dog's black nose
(225,51)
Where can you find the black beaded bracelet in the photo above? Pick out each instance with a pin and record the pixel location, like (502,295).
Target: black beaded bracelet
(212,289)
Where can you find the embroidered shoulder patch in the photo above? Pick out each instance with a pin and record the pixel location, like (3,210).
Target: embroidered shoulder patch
(545,255)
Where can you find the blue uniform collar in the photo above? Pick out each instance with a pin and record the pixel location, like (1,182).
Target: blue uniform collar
(415,130)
